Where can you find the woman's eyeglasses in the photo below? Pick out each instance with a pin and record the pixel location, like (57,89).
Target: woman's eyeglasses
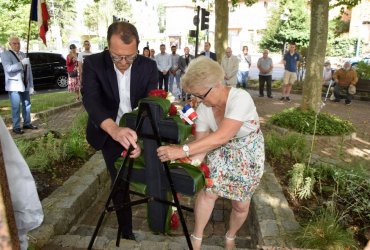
(202,97)
(128,59)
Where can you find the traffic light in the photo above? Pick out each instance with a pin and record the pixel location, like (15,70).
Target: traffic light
(204,24)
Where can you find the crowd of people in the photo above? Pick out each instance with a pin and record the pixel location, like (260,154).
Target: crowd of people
(228,135)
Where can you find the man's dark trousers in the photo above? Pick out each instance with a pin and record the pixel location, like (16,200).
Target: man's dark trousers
(163,79)
(111,152)
(262,79)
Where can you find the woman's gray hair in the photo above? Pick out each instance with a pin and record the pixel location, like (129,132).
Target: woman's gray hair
(202,72)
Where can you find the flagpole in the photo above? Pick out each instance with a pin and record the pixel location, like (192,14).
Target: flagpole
(29,28)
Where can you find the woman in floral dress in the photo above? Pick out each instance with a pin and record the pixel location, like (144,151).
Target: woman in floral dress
(229,139)
(73,80)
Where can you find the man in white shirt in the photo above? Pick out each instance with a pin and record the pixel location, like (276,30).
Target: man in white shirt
(230,64)
(114,82)
(245,62)
(82,56)
(164,65)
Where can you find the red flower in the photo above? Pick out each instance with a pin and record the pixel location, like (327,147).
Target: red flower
(204,168)
(124,153)
(158,92)
(209,182)
(173,110)
(174,221)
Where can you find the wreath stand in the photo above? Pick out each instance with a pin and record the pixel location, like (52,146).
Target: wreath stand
(159,179)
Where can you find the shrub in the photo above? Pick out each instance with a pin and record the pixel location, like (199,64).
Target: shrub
(302,181)
(74,141)
(363,70)
(325,230)
(58,147)
(280,146)
(34,152)
(303,122)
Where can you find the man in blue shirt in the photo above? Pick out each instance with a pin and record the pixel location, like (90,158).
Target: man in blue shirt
(290,61)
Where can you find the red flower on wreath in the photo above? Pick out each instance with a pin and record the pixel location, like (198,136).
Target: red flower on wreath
(173,110)
(174,221)
(158,92)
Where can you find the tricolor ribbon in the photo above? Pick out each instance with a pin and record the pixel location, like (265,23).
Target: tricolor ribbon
(188,114)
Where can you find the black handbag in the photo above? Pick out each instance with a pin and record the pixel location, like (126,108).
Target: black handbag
(73,73)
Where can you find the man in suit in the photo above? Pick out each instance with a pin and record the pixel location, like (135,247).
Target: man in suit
(19,84)
(114,81)
(207,53)
(183,64)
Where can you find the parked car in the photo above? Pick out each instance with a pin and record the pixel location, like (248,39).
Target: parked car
(354,61)
(47,69)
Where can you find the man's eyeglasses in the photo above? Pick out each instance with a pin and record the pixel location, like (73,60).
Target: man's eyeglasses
(128,59)
(202,97)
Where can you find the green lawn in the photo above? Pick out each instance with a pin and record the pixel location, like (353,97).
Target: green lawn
(42,102)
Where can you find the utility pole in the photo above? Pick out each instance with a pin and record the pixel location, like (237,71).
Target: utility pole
(197,32)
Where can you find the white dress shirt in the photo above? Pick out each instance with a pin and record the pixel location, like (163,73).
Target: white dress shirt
(124,92)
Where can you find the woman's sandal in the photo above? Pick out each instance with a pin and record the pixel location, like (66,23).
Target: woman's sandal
(199,239)
(229,242)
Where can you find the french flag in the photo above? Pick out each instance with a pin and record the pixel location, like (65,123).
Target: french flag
(39,13)
(188,114)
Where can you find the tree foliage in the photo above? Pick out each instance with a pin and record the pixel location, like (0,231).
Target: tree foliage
(288,22)
(15,17)
(102,11)
(14,21)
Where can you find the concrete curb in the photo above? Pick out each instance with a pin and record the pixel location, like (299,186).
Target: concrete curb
(276,223)
(337,139)
(8,118)
(66,204)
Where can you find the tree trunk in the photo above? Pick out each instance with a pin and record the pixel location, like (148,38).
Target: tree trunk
(312,86)
(221,29)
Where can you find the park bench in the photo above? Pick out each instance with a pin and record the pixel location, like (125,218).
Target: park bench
(363,86)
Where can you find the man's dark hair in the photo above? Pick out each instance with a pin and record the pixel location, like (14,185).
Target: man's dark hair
(173,46)
(162,45)
(245,47)
(125,30)
(292,43)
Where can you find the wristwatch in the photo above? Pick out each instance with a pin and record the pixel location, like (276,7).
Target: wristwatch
(186,149)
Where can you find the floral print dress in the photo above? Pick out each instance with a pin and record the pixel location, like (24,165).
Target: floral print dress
(236,167)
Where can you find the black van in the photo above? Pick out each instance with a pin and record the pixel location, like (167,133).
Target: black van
(47,69)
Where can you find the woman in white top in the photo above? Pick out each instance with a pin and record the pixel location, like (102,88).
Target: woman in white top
(229,137)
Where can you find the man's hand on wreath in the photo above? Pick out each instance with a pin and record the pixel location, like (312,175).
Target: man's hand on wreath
(126,137)
(170,152)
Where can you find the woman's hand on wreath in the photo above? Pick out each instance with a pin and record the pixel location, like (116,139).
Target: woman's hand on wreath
(170,152)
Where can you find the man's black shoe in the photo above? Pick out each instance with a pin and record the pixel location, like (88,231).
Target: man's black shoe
(30,127)
(287,98)
(337,100)
(270,96)
(128,236)
(18,131)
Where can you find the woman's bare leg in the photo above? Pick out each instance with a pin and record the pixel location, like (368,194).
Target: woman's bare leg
(238,216)
(204,205)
